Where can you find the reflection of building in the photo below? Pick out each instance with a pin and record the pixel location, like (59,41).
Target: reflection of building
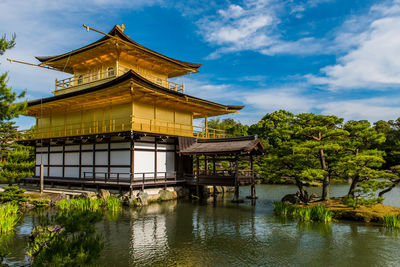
(117,120)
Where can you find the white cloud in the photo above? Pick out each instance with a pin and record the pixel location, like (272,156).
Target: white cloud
(273,99)
(254,26)
(372,109)
(374,62)
(46,27)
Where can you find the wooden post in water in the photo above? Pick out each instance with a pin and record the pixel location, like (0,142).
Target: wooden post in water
(236,198)
(41,178)
(253,183)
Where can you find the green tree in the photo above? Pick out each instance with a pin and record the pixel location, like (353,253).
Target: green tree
(321,137)
(18,164)
(230,126)
(18,161)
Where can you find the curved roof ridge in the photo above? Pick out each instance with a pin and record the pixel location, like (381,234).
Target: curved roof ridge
(116,31)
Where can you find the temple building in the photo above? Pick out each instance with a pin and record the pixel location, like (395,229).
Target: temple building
(119,121)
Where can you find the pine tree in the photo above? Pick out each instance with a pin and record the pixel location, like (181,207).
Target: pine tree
(18,162)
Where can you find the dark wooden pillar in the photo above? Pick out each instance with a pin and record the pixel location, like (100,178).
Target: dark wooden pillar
(63,160)
(132,156)
(206,164)
(253,182)
(109,158)
(214,173)
(80,160)
(198,176)
(94,160)
(155,160)
(48,161)
(236,198)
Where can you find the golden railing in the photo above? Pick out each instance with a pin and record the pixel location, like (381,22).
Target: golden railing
(120,125)
(83,79)
(99,76)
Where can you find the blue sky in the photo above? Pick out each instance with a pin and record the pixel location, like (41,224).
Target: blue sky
(325,56)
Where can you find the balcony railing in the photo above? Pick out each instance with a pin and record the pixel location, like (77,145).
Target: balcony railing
(88,79)
(120,125)
(83,79)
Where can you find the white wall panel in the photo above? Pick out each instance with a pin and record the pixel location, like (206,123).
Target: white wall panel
(87,158)
(124,173)
(165,147)
(56,148)
(72,147)
(102,146)
(89,172)
(144,145)
(121,145)
(41,159)
(101,158)
(72,158)
(37,171)
(161,162)
(55,171)
(41,149)
(87,147)
(165,162)
(100,172)
(120,158)
(71,172)
(144,162)
(56,158)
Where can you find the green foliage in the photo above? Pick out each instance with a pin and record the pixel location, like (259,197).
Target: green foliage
(79,204)
(12,194)
(40,203)
(392,221)
(356,202)
(231,127)
(9,217)
(66,239)
(18,164)
(113,204)
(317,213)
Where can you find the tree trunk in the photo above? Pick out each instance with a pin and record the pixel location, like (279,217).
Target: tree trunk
(389,188)
(325,184)
(353,185)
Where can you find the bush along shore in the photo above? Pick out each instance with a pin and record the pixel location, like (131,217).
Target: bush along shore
(338,209)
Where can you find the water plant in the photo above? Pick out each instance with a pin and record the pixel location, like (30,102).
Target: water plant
(9,217)
(79,204)
(282,208)
(392,221)
(321,214)
(113,204)
(318,213)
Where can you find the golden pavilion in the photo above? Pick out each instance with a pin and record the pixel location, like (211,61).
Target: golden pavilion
(119,121)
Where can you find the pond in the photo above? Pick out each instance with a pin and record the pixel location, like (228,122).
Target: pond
(196,234)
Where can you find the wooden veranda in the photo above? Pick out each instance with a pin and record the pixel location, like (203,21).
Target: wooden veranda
(223,162)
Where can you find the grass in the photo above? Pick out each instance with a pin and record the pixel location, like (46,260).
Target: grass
(79,204)
(392,221)
(113,204)
(9,217)
(317,213)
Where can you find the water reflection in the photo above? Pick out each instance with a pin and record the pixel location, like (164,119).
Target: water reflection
(226,234)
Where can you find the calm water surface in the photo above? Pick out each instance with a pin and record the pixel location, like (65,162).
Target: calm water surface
(192,234)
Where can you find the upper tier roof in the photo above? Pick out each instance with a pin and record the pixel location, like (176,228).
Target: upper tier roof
(65,62)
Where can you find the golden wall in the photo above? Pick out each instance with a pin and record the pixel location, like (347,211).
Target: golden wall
(146,117)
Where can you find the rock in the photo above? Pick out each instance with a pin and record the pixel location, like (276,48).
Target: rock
(88,195)
(104,194)
(142,198)
(167,195)
(27,205)
(57,199)
(291,198)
